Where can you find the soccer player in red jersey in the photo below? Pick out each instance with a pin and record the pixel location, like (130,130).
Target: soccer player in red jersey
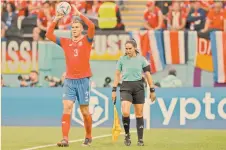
(76,85)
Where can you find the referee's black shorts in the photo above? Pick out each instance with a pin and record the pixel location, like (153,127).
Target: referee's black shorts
(132,91)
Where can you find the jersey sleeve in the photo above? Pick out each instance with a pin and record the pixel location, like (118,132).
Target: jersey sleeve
(91,28)
(61,41)
(145,63)
(119,64)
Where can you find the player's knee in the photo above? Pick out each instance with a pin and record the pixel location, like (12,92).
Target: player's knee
(68,106)
(139,115)
(67,110)
(84,110)
(125,113)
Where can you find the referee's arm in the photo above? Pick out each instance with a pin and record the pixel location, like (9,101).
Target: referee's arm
(118,72)
(146,69)
(149,78)
(117,78)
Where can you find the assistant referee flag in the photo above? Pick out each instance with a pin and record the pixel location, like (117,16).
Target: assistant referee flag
(116,129)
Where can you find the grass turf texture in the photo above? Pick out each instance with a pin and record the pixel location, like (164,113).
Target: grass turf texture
(17,138)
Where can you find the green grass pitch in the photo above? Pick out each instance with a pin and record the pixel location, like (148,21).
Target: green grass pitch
(18,138)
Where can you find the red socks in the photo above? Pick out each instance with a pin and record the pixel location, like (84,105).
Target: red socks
(88,125)
(66,123)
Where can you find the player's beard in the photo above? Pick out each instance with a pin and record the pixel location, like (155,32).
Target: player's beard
(76,36)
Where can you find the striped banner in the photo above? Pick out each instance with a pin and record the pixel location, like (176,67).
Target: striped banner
(156,56)
(175,47)
(218,46)
(141,37)
(150,44)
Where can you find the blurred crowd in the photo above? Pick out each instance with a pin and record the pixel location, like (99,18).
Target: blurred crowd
(199,15)
(32,80)
(15,11)
(170,15)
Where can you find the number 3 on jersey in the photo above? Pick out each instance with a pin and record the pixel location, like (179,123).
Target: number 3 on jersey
(75,52)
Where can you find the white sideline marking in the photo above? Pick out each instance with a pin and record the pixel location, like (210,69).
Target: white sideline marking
(73,141)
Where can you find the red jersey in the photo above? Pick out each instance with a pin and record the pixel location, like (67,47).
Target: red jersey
(153,18)
(77,56)
(43,18)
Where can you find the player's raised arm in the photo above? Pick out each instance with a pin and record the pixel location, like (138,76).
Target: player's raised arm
(89,23)
(50,31)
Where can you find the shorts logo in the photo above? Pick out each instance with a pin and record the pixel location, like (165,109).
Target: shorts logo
(64,95)
(98,107)
(86,96)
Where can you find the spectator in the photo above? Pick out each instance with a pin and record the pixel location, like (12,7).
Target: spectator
(176,18)
(44,18)
(34,79)
(207,5)
(109,16)
(164,7)
(92,8)
(55,82)
(171,80)
(34,7)
(22,7)
(121,4)
(157,85)
(9,18)
(81,5)
(215,19)
(30,81)
(196,17)
(186,7)
(107,82)
(2,82)
(153,17)
(3,30)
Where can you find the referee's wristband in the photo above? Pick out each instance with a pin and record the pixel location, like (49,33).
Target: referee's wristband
(152,90)
(114,89)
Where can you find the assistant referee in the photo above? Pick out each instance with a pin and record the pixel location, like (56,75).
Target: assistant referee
(132,65)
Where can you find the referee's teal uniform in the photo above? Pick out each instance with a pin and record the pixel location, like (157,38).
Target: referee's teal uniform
(132,88)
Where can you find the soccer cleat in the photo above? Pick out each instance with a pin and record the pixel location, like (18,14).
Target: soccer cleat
(63,143)
(127,140)
(140,142)
(87,142)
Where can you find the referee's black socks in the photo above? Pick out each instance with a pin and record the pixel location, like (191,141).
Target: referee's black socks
(140,128)
(126,124)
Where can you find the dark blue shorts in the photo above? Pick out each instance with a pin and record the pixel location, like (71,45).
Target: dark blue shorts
(77,89)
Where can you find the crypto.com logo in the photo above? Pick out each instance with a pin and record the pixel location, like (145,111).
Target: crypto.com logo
(98,107)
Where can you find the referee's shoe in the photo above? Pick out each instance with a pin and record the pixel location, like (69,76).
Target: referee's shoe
(140,143)
(127,140)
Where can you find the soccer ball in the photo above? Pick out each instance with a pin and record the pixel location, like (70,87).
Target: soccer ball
(64,7)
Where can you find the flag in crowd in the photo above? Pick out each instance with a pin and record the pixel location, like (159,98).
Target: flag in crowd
(161,48)
(218,47)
